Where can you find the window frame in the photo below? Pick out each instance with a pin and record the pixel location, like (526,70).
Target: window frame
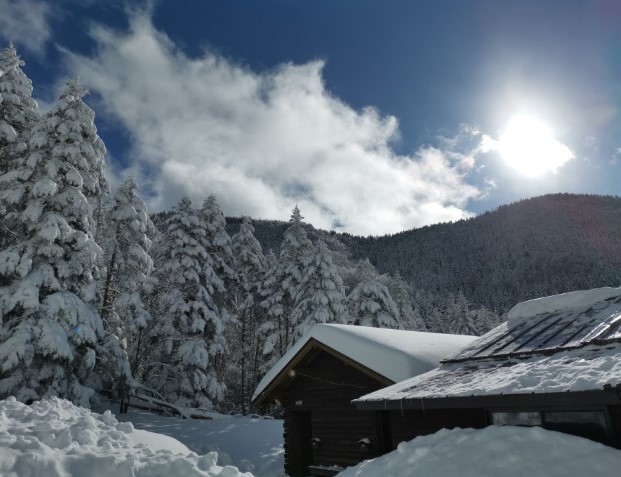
(609,430)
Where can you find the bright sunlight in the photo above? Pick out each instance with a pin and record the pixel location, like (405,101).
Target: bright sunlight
(528,145)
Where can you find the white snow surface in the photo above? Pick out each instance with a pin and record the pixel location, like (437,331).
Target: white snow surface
(492,452)
(395,354)
(55,438)
(582,299)
(251,445)
(583,369)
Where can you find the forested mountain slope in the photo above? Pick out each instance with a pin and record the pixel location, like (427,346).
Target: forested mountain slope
(535,247)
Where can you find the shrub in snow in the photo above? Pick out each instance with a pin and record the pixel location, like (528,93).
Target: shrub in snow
(54,438)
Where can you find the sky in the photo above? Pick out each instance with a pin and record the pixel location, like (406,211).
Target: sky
(372,116)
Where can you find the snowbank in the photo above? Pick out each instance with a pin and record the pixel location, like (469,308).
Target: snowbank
(54,438)
(492,452)
(251,445)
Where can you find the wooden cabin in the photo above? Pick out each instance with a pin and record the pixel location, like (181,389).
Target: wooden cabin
(322,373)
(556,363)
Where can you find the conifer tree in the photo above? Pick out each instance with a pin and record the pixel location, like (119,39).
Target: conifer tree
(18,114)
(369,302)
(245,348)
(218,244)
(51,333)
(485,320)
(400,292)
(281,286)
(18,111)
(73,121)
(458,317)
(321,298)
(189,333)
(128,270)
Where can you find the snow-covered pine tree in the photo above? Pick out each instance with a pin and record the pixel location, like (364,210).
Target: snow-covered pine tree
(401,293)
(218,244)
(219,275)
(485,320)
(18,111)
(73,122)
(321,298)
(246,346)
(281,286)
(369,302)
(128,269)
(458,318)
(51,333)
(189,333)
(18,114)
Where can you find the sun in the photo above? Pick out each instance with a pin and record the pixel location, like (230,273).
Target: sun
(527,145)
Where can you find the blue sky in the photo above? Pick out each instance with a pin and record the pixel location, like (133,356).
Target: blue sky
(373,116)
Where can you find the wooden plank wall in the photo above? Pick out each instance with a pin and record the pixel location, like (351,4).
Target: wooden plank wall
(325,388)
(409,424)
(615,417)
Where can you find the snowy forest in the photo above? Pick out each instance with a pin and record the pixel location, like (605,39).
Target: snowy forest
(99,294)
(94,296)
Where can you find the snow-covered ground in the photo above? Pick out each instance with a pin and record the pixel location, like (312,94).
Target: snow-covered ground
(493,452)
(54,438)
(254,445)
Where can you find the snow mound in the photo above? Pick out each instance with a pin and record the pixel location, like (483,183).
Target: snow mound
(54,438)
(582,299)
(491,452)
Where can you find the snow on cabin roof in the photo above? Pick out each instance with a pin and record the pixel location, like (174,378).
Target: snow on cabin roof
(584,369)
(394,354)
(552,323)
(569,342)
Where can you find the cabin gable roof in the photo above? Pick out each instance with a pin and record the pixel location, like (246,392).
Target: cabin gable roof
(386,355)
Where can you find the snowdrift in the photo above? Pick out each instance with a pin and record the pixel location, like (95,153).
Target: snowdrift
(492,452)
(54,438)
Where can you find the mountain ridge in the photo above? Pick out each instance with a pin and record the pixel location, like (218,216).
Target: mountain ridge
(534,247)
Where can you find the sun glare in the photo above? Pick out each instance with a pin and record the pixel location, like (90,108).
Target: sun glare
(528,145)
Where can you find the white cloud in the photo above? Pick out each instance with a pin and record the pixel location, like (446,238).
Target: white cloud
(263,142)
(25,22)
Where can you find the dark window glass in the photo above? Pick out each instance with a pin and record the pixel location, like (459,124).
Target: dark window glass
(589,424)
(516,418)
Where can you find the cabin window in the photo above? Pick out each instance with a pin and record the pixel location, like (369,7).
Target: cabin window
(592,424)
(516,418)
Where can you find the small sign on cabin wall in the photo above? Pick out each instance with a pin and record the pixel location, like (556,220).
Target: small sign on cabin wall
(299,402)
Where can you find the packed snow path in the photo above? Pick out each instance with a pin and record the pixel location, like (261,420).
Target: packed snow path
(54,438)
